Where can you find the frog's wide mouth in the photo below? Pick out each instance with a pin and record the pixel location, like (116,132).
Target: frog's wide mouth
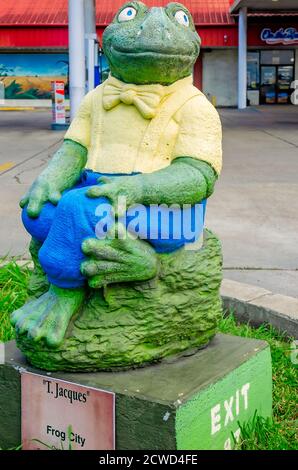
(150,53)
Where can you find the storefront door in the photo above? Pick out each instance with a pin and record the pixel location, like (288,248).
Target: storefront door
(275,83)
(285,76)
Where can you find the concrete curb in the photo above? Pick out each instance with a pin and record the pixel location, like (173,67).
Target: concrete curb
(256,305)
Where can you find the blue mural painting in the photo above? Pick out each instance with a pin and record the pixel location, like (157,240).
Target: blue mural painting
(29,76)
(103,67)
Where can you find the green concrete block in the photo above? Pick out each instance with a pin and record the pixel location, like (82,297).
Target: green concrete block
(192,403)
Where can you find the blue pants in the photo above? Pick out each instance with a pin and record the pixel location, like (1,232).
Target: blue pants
(64,227)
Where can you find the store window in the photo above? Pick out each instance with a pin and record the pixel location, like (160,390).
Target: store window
(253,70)
(277,57)
(270,73)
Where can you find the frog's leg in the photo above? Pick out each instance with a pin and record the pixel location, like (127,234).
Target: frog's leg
(47,317)
(38,282)
(113,260)
(121,259)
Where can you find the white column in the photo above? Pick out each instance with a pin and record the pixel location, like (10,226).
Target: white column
(76,37)
(242,58)
(90,26)
(90,40)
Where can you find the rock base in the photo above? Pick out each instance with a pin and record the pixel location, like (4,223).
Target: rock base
(132,324)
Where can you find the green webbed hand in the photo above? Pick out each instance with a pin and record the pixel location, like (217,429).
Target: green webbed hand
(118,258)
(62,173)
(186,181)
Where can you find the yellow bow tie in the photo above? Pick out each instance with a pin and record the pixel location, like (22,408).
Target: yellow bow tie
(146,98)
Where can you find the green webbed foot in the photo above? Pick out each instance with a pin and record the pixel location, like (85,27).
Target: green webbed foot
(48,317)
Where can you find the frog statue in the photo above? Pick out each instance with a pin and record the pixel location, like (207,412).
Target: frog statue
(144,148)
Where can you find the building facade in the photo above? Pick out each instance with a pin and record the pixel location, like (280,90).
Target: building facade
(249,52)
(271,63)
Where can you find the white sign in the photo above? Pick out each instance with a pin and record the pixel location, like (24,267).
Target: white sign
(58,102)
(228,411)
(63,415)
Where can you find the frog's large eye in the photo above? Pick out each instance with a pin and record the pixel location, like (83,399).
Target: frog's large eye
(127,14)
(182,18)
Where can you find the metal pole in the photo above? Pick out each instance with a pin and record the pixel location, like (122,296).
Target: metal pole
(76,37)
(242,58)
(91,64)
(90,12)
(90,40)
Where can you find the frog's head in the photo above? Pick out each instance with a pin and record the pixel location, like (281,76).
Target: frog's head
(156,45)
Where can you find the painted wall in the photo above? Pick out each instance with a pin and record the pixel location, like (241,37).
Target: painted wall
(220,76)
(28,76)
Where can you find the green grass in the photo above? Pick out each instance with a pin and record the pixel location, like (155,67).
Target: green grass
(13,293)
(280,433)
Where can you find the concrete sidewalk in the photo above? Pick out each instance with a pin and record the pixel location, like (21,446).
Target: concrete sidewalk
(254,209)
(27,142)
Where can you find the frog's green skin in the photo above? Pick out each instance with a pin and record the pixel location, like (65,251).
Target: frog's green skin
(62,173)
(151,48)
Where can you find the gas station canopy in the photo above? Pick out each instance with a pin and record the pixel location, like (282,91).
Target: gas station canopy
(263,5)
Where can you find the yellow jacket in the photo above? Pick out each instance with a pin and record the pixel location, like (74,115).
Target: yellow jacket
(143,128)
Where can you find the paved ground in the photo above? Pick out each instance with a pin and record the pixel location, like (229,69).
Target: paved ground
(254,209)
(26,141)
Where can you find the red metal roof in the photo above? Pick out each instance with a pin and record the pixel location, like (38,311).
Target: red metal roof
(54,12)
(203,11)
(31,12)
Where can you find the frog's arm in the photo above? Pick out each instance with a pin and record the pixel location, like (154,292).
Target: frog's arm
(186,181)
(62,173)
(66,165)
